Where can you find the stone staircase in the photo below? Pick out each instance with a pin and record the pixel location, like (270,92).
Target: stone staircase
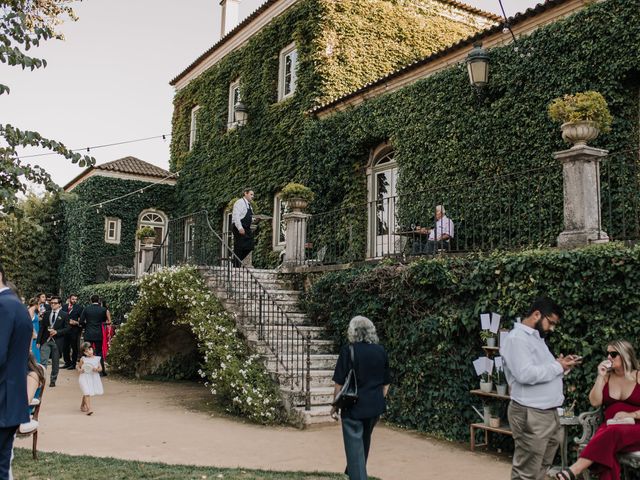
(247,311)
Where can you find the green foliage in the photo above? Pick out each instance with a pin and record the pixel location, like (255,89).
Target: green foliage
(29,244)
(23,25)
(473,153)
(238,379)
(296,190)
(85,252)
(427,316)
(145,232)
(589,106)
(266,152)
(119,297)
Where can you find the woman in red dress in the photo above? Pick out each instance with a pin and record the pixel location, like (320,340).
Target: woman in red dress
(618,391)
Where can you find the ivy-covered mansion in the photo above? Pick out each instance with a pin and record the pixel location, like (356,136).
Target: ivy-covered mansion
(369,104)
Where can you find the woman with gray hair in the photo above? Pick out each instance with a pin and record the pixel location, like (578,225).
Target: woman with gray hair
(371,366)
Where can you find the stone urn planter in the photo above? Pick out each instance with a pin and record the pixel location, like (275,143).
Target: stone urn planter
(297,204)
(148,241)
(579,133)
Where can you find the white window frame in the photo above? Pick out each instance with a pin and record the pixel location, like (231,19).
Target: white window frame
(117,225)
(292,52)
(231,117)
(278,223)
(193,127)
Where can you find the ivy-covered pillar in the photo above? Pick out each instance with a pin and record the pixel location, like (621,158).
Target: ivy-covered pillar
(296,237)
(581,180)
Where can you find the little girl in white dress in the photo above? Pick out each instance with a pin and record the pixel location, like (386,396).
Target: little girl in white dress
(90,382)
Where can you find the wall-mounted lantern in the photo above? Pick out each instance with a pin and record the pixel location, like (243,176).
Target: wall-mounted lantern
(478,65)
(241,113)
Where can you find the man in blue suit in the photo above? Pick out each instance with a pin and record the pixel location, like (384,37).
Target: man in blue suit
(15,340)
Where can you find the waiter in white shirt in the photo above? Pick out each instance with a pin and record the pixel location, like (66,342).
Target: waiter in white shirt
(535,377)
(241,218)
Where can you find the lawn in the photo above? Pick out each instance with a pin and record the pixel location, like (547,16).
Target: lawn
(56,466)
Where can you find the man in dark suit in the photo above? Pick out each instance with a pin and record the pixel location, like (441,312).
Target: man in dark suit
(54,325)
(72,338)
(15,340)
(93,318)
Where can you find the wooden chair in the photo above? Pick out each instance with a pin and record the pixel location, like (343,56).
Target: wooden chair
(35,416)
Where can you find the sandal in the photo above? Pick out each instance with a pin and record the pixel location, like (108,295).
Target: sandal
(91,413)
(565,474)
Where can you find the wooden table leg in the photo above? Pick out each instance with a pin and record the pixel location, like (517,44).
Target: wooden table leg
(473,438)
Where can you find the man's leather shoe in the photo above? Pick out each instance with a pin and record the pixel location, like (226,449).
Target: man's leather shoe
(52,384)
(66,365)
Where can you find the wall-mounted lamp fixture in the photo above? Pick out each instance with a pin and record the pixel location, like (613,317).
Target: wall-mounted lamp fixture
(241,113)
(478,65)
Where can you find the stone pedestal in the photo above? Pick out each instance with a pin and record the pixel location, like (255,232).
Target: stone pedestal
(296,238)
(581,179)
(146,259)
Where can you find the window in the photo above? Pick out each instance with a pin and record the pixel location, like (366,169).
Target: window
(279,226)
(287,76)
(382,178)
(234,99)
(189,238)
(112,230)
(193,132)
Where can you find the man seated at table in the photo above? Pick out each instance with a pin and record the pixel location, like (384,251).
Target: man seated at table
(438,237)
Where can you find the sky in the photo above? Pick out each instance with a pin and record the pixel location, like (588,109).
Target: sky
(108,81)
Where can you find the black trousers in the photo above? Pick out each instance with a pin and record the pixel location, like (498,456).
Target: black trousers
(71,347)
(357,440)
(6,444)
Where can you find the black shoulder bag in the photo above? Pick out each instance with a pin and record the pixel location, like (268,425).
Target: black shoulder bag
(348,394)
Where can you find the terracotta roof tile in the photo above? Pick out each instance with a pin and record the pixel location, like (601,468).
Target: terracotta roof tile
(134,166)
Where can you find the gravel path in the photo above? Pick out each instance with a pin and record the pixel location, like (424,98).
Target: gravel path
(154,421)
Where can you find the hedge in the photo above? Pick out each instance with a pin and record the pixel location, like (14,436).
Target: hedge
(119,297)
(427,316)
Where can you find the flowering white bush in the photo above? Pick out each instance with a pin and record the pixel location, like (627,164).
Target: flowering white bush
(238,379)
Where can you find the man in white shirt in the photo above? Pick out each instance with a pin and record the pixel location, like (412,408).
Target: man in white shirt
(535,377)
(241,218)
(439,236)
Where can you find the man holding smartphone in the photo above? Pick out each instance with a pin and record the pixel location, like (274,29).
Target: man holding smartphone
(535,377)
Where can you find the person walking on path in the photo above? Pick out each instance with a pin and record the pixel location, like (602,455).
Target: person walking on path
(72,339)
(241,218)
(15,339)
(371,366)
(535,377)
(93,319)
(89,379)
(54,326)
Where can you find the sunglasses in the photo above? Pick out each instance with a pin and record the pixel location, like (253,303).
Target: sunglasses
(613,354)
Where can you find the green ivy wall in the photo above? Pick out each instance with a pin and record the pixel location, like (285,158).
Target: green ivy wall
(341,45)
(428,317)
(83,244)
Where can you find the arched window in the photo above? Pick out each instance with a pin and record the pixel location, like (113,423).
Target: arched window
(155,219)
(382,179)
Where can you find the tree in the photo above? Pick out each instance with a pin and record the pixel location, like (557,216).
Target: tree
(23,25)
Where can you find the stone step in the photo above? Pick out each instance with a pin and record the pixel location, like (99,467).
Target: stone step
(272,332)
(319,396)
(317,347)
(317,414)
(319,378)
(322,361)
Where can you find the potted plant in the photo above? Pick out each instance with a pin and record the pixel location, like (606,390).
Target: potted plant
(488,337)
(582,116)
(146,235)
(486,385)
(501,381)
(296,195)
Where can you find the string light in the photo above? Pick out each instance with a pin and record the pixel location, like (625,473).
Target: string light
(88,149)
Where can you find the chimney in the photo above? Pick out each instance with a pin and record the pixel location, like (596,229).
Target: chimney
(230,15)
